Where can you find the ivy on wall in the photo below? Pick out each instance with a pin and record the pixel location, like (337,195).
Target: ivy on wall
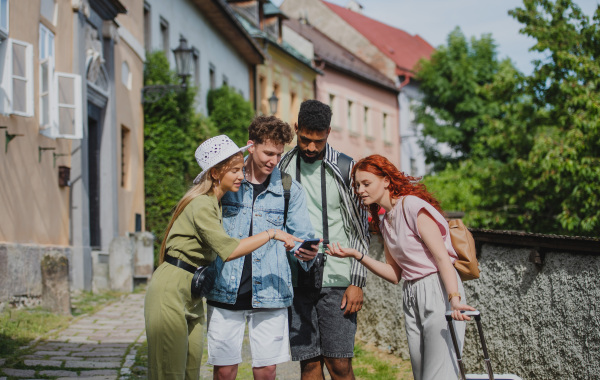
(172,132)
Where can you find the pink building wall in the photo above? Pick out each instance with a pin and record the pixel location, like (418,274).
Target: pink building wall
(350,132)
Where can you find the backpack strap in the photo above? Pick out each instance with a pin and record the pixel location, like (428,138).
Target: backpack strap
(344,162)
(286,180)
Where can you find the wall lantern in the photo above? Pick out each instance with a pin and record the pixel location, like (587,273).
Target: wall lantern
(183,60)
(273,100)
(183,64)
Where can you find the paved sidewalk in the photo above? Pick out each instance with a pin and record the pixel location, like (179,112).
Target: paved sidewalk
(103,346)
(98,346)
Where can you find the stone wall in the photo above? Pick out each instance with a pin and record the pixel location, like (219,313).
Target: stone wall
(129,261)
(20,270)
(541,321)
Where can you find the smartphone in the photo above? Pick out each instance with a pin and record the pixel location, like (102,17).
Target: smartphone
(306,244)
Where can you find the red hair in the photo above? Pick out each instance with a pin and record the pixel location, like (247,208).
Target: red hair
(400,184)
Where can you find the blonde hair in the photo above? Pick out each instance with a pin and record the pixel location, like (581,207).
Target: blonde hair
(205,186)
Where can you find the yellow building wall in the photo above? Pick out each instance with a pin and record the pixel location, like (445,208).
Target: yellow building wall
(130,117)
(292,81)
(33,208)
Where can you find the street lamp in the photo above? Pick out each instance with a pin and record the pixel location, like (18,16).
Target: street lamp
(273,100)
(183,65)
(183,60)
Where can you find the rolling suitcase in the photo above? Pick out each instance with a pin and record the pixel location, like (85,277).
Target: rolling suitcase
(488,364)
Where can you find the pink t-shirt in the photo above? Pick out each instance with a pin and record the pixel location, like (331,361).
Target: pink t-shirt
(404,241)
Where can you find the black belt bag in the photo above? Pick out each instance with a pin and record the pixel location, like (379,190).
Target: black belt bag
(204,277)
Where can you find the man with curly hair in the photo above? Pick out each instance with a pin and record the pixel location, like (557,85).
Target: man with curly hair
(257,288)
(323,314)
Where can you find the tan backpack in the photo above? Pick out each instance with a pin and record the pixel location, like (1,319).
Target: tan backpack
(462,240)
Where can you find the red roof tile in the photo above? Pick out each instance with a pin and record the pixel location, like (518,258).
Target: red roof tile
(400,46)
(339,57)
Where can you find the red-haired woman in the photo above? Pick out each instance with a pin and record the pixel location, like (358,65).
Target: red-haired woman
(418,250)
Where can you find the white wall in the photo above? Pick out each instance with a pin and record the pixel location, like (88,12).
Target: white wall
(412,160)
(186,20)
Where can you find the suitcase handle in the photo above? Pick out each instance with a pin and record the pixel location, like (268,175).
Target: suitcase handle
(470,313)
(477,315)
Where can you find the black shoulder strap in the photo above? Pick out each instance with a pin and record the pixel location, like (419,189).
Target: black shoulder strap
(286,180)
(344,162)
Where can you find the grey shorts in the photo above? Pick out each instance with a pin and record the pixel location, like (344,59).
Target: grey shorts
(318,326)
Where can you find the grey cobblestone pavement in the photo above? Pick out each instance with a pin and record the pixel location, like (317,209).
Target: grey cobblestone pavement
(97,346)
(103,346)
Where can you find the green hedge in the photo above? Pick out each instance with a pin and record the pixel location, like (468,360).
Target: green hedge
(172,132)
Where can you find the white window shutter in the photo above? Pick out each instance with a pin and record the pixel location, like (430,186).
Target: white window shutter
(22,78)
(30,94)
(6,80)
(68,111)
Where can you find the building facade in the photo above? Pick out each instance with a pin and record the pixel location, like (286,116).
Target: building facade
(224,53)
(363,101)
(71,116)
(287,74)
(390,50)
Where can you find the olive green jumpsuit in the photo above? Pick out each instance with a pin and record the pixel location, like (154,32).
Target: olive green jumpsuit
(174,317)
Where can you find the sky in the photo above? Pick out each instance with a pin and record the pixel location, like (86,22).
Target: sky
(433,20)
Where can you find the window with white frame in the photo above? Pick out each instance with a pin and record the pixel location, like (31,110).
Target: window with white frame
(60,113)
(46,55)
(17,78)
(69,106)
(3,20)
(47,9)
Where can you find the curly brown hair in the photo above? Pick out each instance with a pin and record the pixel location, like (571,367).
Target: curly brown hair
(265,128)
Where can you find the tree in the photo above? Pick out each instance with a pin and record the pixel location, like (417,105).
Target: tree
(172,131)
(563,166)
(452,108)
(230,113)
(535,163)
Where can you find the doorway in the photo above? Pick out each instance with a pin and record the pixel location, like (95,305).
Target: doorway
(94,144)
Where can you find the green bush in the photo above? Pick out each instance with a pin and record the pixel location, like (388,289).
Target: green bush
(230,113)
(172,132)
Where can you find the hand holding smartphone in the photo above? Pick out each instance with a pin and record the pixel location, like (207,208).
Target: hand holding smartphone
(306,244)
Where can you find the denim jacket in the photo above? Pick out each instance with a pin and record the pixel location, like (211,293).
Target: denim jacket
(271,274)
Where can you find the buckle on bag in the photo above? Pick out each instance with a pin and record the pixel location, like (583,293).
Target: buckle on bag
(203,281)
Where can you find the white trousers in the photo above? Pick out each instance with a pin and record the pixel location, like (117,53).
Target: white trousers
(432,355)
(267,329)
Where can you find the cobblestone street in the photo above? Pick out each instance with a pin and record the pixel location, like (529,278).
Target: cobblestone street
(103,346)
(99,346)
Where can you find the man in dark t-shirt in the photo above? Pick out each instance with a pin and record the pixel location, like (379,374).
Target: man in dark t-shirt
(257,289)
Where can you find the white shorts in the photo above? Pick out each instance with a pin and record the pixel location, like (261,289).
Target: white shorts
(267,328)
